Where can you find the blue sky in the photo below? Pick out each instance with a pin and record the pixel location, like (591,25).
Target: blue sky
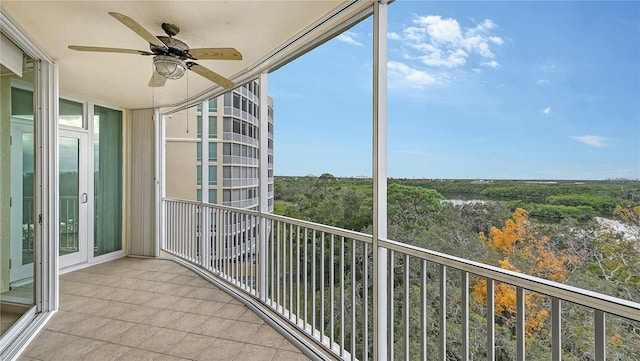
(497,90)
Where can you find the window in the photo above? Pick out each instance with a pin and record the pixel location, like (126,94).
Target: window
(213,152)
(226,195)
(199,195)
(70,113)
(236,101)
(213,196)
(226,148)
(226,172)
(236,126)
(250,107)
(227,124)
(199,126)
(213,105)
(213,175)
(198,152)
(213,126)
(227,100)
(108,185)
(198,174)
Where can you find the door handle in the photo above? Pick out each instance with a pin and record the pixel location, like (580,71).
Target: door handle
(84,198)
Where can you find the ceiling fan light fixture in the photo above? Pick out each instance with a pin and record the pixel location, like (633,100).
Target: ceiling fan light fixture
(169,67)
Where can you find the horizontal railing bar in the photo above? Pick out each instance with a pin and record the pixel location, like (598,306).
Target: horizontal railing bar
(608,304)
(363,237)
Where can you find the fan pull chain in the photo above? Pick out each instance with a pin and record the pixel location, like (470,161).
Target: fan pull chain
(187,117)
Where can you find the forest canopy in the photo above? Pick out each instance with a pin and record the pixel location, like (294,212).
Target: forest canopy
(581,233)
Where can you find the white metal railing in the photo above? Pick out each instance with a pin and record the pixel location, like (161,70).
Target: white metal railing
(319,278)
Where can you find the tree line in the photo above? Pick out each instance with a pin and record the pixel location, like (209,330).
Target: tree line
(537,229)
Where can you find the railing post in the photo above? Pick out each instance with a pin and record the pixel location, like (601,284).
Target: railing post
(600,335)
(263,190)
(520,324)
(556,329)
(380,275)
(491,327)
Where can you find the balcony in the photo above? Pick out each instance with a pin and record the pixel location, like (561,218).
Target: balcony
(327,284)
(150,309)
(190,304)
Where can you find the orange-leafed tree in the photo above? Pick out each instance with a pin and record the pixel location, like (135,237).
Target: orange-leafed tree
(518,247)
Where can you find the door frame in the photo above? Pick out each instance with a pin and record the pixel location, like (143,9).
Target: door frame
(88,129)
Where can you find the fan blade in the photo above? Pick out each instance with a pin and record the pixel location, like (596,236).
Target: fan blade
(157,80)
(138,29)
(211,75)
(108,50)
(215,54)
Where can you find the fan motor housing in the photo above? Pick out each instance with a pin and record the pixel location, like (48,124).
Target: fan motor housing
(175,47)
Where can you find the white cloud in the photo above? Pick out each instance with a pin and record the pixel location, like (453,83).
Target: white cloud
(348,38)
(496,40)
(547,110)
(492,64)
(440,30)
(393,36)
(409,76)
(593,140)
(542,81)
(443,43)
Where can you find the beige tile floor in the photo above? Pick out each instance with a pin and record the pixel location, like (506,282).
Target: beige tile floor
(143,309)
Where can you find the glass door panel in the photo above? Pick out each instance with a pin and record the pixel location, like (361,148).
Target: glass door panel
(107,144)
(18,241)
(73,198)
(22,204)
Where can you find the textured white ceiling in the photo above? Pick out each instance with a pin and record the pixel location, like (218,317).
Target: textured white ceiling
(255,28)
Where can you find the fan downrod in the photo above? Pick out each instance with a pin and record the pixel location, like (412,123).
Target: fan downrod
(170,29)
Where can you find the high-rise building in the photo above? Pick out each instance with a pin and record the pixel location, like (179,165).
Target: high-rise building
(212,153)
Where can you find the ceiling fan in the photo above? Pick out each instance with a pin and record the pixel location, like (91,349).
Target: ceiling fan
(171,57)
